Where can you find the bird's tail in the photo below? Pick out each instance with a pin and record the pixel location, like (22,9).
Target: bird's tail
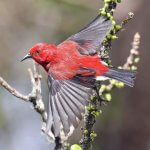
(125,76)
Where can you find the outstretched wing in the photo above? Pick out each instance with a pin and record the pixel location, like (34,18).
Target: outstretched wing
(90,38)
(67,101)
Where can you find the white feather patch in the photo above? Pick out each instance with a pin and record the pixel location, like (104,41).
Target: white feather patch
(102,78)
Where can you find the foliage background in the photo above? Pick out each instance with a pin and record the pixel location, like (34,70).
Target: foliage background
(125,122)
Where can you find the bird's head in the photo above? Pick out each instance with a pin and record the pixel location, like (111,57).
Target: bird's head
(42,53)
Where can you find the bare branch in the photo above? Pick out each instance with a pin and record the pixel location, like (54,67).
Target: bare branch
(13,91)
(34,97)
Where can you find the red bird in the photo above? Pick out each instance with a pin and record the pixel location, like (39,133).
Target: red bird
(73,68)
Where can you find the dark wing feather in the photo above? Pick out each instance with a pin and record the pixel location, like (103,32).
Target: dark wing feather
(67,101)
(90,38)
(68,110)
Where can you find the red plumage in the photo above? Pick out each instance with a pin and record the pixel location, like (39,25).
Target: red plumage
(64,61)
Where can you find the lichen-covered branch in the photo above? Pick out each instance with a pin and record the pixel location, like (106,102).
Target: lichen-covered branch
(92,111)
(88,134)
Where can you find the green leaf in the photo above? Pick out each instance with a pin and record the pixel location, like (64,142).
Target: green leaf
(75,147)
(107,96)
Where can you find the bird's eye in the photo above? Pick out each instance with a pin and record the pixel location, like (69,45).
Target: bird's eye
(37,51)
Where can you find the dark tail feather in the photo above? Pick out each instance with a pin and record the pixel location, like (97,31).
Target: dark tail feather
(125,76)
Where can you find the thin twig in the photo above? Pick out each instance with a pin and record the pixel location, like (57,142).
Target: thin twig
(127,19)
(134,52)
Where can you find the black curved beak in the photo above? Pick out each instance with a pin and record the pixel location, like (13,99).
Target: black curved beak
(26,57)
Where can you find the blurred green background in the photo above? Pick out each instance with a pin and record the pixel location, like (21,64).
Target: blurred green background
(125,122)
